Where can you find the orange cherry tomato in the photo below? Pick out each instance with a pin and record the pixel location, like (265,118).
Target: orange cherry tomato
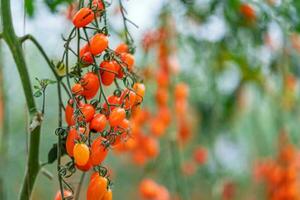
(96,188)
(98,44)
(128,98)
(248,11)
(83,17)
(119,69)
(128,59)
(90,84)
(181,91)
(58,196)
(77,89)
(148,188)
(107,195)
(98,123)
(122,48)
(81,154)
(139,89)
(162,96)
(69,114)
(113,101)
(70,142)
(151,147)
(108,72)
(86,56)
(98,151)
(117,116)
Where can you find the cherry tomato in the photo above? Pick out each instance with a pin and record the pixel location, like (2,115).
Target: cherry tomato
(85,167)
(98,151)
(139,89)
(148,188)
(128,98)
(81,154)
(119,69)
(77,89)
(58,196)
(70,142)
(83,17)
(248,11)
(88,112)
(162,96)
(108,72)
(98,123)
(96,188)
(181,91)
(69,114)
(122,48)
(128,59)
(90,84)
(86,56)
(98,5)
(107,195)
(117,116)
(151,147)
(98,44)
(113,101)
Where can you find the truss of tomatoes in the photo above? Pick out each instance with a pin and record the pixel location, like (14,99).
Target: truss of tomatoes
(96,122)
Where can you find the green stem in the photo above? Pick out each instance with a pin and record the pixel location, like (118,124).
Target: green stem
(15,47)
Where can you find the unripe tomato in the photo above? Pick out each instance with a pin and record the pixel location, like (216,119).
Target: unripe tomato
(139,89)
(70,142)
(98,44)
(122,48)
(58,196)
(96,188)
(98,123)
(90,84)
(113,101)
(107,195)
(83,17)
(77,89)
(116,116)
(81,154)
(128,98)
(85,167)
(128,59)
(98,151)
(88,112)
(108,72)
(86,56)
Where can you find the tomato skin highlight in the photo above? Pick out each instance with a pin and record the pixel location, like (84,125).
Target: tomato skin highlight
(98,151)
(96,188)
(117,116)
(98,44)
(98,123)
(81,154)
(83,17)
(108,72)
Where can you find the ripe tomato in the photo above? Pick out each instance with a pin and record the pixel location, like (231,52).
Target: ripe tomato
(128,59)
(151,147)
(90,84)
(69,114)
(108,72)
(85,167)
(98,151)
(122,48)
(81,154)
(113,101)
(98,5)
(58,196)
(88,112)
(119,69)
(162,96)
(98,123)
(107,195)
(70,142)
(128,98)
(200,155)
(86,56)
(139,157)
(96,188)
(77,89)
(98,44)
(157,127)
(181,91)
(83,17)
(117,116)
(148,188)
(248,11)
(139,89)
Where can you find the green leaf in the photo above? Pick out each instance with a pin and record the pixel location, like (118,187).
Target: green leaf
(52,154)
(29,7)
(37,93)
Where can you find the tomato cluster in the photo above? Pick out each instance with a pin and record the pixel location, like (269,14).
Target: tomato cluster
(96,121)
(281,175)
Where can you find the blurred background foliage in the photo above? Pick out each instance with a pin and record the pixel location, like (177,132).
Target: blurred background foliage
(241,62)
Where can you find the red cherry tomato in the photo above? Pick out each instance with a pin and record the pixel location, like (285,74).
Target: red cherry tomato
(86,56)
(88,112)
(77,89)
(98,151)
(113,101)
(128,98)
(96,188)
(98,44)
(108,72)
(128,59)
(98,123)
(117,116)
(83,17)
(90,84)
(70,142)
(122,48)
